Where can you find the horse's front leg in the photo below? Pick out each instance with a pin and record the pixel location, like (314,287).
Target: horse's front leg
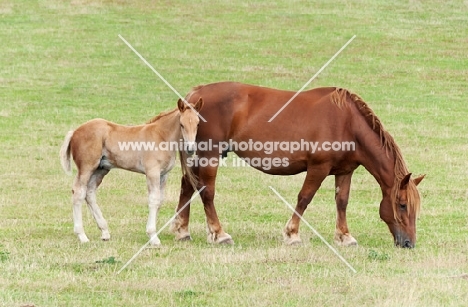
(153,182)
(180,224)
(342,187)
(311,184)
(216,233)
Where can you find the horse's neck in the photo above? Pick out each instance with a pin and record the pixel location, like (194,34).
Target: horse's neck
(378,160)
(168,127)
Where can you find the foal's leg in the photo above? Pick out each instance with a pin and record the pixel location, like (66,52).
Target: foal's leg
(154,202)
(79,194)
(180,223)
(311,184)
(342,187)
(93,184)
(162,187)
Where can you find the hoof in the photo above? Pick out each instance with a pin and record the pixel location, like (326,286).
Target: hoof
(105,236)
(186,237)
(227,241)
(345,240)
(154,241)
(292,239)
(83,238)
(223,239)
(154,245)
(182,236)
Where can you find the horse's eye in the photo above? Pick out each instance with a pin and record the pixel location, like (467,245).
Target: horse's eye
(181,126)
(402,206)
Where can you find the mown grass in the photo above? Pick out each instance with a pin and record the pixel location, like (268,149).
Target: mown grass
(62,63)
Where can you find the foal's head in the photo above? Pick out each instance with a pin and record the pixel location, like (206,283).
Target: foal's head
(401,217)
(189,123)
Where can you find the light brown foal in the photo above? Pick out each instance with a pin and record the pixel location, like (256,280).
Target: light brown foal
(98,145)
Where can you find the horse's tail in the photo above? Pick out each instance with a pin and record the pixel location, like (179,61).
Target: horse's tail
(65,153)
(187,171)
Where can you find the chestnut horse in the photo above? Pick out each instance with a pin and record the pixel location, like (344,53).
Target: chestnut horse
(98,146)
(326,117)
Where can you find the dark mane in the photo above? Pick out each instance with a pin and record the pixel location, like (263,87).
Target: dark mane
(161,115)
(340,97)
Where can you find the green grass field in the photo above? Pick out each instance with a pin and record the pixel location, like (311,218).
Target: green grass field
(62,63)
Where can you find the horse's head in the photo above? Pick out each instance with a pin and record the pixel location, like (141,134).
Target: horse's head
(189,123)
(402,219)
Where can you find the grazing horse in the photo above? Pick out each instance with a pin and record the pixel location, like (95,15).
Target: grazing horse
(98,145)
(335,130)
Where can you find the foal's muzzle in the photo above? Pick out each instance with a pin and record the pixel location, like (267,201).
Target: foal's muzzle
(190,148)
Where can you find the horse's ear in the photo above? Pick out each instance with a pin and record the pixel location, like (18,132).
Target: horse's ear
(181,105)
(198,105)
(404,182)
(419,179)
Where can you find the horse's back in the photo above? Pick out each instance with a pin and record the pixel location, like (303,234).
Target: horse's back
(226,98)
(235,106)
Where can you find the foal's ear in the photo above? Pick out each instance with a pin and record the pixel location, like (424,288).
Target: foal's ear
(181,105)
(198,105)
(419,179)
(404,182)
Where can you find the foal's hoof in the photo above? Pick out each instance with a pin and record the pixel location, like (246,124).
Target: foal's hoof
(154,245)
(154,241)
(105,236)
(83,238)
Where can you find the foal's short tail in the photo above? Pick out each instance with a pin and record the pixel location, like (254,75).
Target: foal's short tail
(65,153)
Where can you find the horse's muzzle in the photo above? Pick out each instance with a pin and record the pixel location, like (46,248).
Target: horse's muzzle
(404,243)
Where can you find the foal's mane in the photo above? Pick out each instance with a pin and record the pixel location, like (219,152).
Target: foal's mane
(161,115)
(340,97)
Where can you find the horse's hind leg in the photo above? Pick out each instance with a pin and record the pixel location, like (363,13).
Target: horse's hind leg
(311,184)
(93,184)
(79,194)
(342,187)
